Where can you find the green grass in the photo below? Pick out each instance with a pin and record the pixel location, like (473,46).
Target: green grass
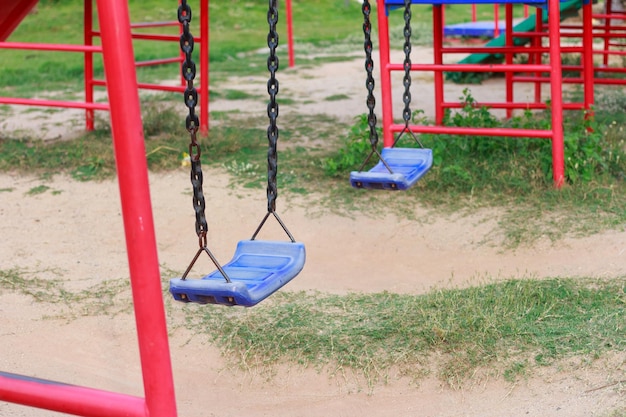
(501,329)
(506,328)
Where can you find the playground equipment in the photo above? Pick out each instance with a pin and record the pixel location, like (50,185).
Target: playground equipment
(508,68)
(479,28)
(11,13)
(259,267)
(9,22)
(132,172)
(397,168)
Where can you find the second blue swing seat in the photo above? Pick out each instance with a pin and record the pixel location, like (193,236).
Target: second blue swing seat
(258,269)
(407,165)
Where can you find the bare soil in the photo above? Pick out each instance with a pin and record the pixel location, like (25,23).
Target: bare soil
(73,232)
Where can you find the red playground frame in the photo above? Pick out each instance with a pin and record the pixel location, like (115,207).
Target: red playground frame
(553,67)
(132,170)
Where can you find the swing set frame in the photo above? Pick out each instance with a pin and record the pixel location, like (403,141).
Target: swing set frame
(159,398)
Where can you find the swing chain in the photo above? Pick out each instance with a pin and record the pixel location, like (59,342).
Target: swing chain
(192,121)
(369,67)
(406,98)
(272,107)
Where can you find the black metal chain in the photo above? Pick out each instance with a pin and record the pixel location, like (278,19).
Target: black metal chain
(192,122)
(369,67)
(406,97)
(272,107)
(272,129)
(366,8)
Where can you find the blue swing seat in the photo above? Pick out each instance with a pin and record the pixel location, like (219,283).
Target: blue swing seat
(407,164)
(258,269)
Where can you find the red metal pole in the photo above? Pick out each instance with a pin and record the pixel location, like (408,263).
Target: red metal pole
(587,58)
(88,62)
(132,172)
(69,399)
(508,76)
(385,74)
(204,67)
(289,17)
(536,41)
(607,30)
(556,93)
(496,18)
(438,60)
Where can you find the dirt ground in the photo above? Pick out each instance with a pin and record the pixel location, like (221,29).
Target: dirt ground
(74,231)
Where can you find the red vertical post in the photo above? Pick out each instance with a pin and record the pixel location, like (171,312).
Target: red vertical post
(496,18)
(132,173)
(508,57)
(536,42)
(289,17)
(183,82)
(587,58)
(438,60)
(556,93)
(608,10)
(473,12)
(204,67)
(385,73)
(88,62)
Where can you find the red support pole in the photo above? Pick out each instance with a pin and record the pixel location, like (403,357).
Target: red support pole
(607,30)
(508,76)
(132,172)
(289,17)
(204,67)
(536,41)
(556,93)
(385,74)
(88,62)
(438,60)
(496,18)
(68,399)
(587,59)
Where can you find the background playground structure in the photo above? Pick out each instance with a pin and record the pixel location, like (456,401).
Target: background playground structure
(408,239)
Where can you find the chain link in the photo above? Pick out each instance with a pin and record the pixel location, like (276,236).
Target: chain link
(192,121)
(272,107)
(406,97)
(366,8)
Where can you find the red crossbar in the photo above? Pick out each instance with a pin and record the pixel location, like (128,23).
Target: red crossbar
(70,399)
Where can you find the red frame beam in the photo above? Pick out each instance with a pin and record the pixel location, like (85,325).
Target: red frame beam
(132,170)
(143,262)
(555,134)
(69,399)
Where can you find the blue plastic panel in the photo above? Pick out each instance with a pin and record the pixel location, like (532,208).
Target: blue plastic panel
(474,29)
(258,269)
(408,166)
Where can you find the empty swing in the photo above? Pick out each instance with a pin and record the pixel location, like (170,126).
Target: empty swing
(397,168)
(259,267)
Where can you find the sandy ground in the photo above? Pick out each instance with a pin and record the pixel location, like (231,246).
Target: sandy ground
(74,230)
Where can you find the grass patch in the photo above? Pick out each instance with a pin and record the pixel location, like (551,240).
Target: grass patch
(504,329)
(40,189)
(47,286)
(507,328)
(337,97)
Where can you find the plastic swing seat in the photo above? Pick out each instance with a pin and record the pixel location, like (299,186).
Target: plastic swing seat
(258,269)
(407,165)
